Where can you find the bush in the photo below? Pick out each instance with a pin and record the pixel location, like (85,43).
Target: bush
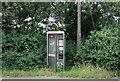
(24,51)
(70,53)
(28,51)
(101,48)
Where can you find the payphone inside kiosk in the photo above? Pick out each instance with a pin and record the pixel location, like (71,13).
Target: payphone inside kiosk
(56,50)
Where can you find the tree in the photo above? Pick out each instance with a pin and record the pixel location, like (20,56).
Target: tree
(21,33)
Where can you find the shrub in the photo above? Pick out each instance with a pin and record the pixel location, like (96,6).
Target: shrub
(101,48)
(24,51)
(70,53)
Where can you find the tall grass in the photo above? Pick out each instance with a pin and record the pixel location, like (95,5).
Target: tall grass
(84,71)
(88,71)
(35,72)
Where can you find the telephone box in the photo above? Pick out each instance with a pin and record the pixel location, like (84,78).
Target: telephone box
(56,50)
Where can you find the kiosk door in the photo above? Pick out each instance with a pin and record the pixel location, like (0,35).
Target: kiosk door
(52,51)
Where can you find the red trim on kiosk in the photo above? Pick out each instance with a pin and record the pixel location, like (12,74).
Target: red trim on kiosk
(51,36)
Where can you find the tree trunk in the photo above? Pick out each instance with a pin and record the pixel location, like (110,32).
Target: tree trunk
(78,26)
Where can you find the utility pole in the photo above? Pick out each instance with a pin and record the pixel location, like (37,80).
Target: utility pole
(78,26)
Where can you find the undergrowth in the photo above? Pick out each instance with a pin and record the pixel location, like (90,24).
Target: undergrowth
(83,71)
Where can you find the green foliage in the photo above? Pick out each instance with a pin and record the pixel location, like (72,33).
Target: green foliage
(24,44)
(83,71)
(24,51)
(70,53)
(102,48)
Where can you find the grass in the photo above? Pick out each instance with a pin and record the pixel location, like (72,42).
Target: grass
(0,73)
(89,71)
(85,71)
(21,73)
